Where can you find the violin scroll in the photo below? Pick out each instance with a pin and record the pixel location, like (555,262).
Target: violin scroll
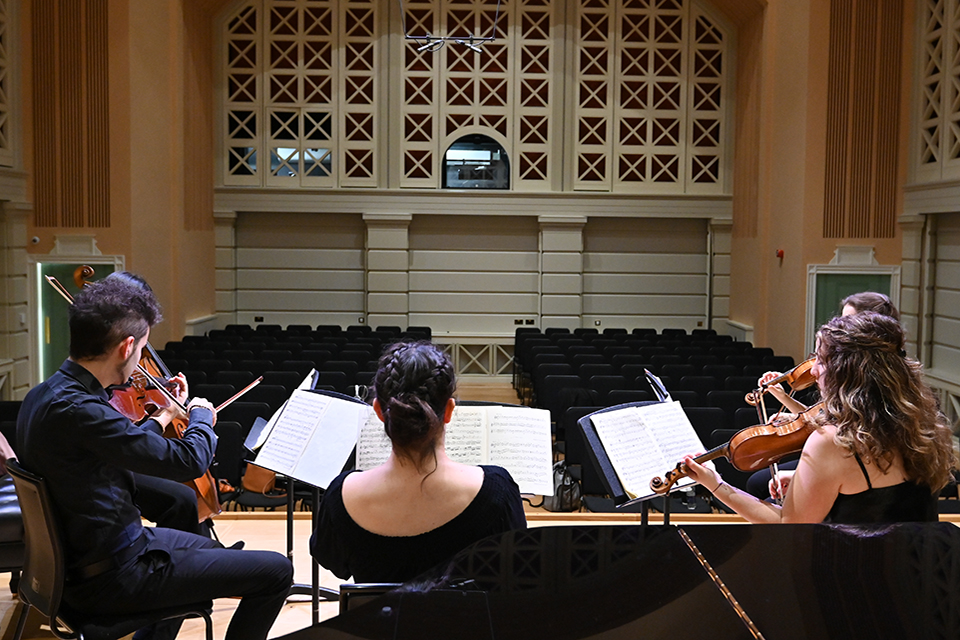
(800,377)
(663,485)
(82,275)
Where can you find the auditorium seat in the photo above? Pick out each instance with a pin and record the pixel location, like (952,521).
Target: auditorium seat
(274,395)
(239,379)
(301,367)
(604,384)
(256,366)
(216,393)
(289,380)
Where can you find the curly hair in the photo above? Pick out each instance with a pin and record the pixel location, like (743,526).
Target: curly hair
(106,312)
(871,301)
(877,399)
(413,384)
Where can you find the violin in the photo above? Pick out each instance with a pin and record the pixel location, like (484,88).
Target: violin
(144,393)
(752,448)
(800,377)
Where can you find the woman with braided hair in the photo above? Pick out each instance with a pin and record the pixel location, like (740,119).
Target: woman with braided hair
(418,509)
(881,450)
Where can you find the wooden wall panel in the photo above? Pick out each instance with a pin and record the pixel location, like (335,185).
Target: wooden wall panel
(863,115)
(70,103)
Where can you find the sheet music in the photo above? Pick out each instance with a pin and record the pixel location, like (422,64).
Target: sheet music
(374,445)
(671,429)
(313,437)
(632,450)
(466,436)
(306,383)
(520,442)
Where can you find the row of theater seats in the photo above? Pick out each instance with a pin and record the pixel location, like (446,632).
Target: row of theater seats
(225,361)
(556,369)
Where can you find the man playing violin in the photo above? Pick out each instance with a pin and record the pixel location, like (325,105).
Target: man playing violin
(881,451)
(68,433)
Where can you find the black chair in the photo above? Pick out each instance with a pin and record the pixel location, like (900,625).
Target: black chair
(576,455)
(550,393)
(302,367)
(686,398)
(701,384)
(217,394)
(703,360)
(778,363)
(229,457)
(276,355)
(579,359)
(590,369)
(678,371)
(349,368)
(720,371)
(332,380)
(705,421)
(273,394)
(239,379)
(316,356)
(236,355)
(425,333)
(44,574)
(604,384)
(626,396)
(740,383)
(212,366)
(245,413)
(289,380)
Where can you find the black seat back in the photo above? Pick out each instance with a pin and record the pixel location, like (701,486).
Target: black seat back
(41,582)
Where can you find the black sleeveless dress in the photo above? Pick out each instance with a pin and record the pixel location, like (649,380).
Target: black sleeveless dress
(904,502)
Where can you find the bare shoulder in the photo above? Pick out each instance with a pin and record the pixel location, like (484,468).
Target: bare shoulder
(822,451)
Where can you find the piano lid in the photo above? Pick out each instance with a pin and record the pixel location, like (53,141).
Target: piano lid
(720,581)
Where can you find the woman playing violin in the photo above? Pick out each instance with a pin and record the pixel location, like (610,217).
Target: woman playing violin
(881,451)
(854,303)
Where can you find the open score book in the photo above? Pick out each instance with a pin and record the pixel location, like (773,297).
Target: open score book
(646,441)
(515,438)
(312,436)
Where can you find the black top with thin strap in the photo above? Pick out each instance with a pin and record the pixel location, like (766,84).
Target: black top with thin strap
(346,548)
(903,502)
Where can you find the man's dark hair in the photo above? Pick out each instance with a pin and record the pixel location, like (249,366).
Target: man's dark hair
(106,312)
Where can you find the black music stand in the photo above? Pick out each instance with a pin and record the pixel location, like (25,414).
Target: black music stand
(314,590)
(608,475)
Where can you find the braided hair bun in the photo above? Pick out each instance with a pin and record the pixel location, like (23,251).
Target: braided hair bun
(414,382)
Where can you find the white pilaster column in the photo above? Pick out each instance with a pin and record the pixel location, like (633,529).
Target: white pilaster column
(387,268)
(225,246)
(561,271)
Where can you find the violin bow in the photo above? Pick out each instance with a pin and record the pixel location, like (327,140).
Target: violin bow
(237,395)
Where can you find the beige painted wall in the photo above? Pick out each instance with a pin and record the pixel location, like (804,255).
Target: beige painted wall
(157,84)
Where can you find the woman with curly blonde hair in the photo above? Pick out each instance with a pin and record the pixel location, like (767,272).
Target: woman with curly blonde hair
(881,450)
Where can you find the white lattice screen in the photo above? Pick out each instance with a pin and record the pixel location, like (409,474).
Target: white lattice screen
(647,112)
(938,121)
(6,150)
(301,93)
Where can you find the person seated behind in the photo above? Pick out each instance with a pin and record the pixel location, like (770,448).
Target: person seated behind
(881,450)
(760,483)
(418,509)
(68,432)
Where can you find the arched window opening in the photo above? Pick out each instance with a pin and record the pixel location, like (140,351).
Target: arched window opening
(476,162)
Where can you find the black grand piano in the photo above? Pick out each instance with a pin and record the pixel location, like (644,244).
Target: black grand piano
(690,581)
